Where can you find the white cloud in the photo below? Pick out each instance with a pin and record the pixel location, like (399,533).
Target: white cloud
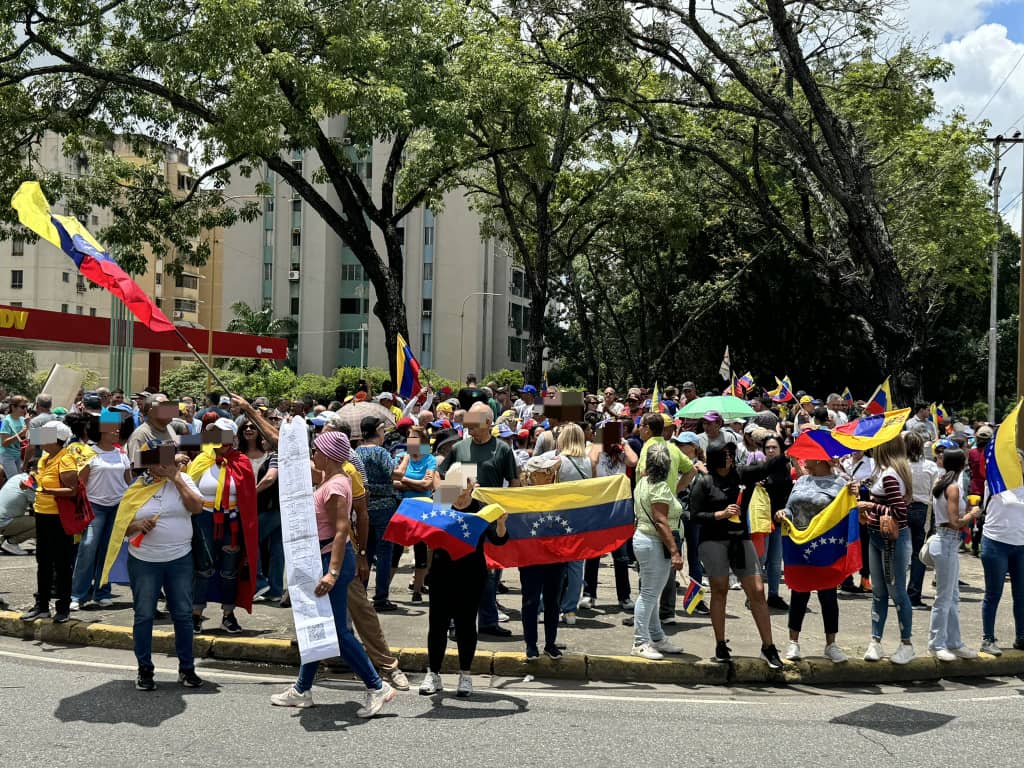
(938,20)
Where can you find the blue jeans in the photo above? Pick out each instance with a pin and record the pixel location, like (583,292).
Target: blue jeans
(379,549)
(270,537)
(573,586)
(999,559)
(654,568)
(352,650)
(11,463)
(147,579)
(691,533)
(487,614)
(92,551)
(771,563)
(215,556)
(881,590)
(917,516)
(945,622)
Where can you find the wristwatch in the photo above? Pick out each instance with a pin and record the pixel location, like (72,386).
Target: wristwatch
(333,572)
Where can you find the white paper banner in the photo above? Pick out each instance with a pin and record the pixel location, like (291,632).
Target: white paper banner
(313,616)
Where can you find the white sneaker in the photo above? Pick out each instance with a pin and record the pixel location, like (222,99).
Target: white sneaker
(75,606)
(793,651)
(627,604)
(292,698)
(398,679)
(106,602)
(431,684)
(666,646)
(376,699)
(874,651)
(734,583)
(991,647)
(11,548)
(503,618)
(570,618)
(963,652)
(835,654)
(586,604)
(943,654)
(904,654)
(465,686)
(646,651)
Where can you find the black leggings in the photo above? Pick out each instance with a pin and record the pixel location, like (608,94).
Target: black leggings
(454,596)
(829,601)
(419,550)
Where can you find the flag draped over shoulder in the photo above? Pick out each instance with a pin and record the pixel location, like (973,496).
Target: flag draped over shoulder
(1002,465)
(561,522)
(439,526)
(68,234)
(822,555)
(137,494)
(881,401)
(407,374)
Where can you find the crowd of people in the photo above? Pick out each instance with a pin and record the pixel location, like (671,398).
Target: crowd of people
(194,487)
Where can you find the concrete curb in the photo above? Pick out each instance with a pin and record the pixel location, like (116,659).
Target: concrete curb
(573,666)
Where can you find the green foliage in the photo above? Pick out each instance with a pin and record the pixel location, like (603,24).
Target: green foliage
(505,378)
(190,379)
(16,370)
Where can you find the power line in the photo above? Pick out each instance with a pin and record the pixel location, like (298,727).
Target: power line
(997,90)
(1010,204)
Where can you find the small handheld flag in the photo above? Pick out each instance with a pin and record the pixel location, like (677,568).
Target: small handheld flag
(847,395)
(881,401)
(745,382)
(725,369)
(136,540)
(544,385)
(783,391)
(693,597)
(656,399)
(407,373)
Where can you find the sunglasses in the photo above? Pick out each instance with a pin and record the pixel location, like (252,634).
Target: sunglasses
(248,428)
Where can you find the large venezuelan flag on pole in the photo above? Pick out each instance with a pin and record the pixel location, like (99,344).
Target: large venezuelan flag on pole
(561,522)
(1002,464)
(822,555)
(407,378)
(68,234)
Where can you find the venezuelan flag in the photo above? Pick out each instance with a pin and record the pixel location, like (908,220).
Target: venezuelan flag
(783,391)
(439,526)
(881,401)
(694,594)
(407,373)
(859,435)
(847,395)
(67,233)
(822,555)
(746,381)
(562,522)
(1002,464)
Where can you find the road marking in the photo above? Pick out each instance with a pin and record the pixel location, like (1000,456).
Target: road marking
(668,698)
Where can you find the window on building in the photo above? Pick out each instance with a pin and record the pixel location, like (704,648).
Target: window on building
(95,220)
(425,345)
(428,271)
(518,317)
(351,306)
(64,307)
(297,165)
(92,311)
(518,285)
(186,281)
(428,305)
(349,340)
(80,309)
(80,283)
(17,279)
(268,238)
(15,303)
(428,235)
(352,272)
(185,182)
(295,305)
(516,349)
(184,305)
(159,278)
(297,205)
(17,246)
(400,232)
(65,277)
(296,238)
(159,302)
(268,204)
(268,271)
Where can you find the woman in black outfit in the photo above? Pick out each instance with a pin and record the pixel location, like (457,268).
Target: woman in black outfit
(725,544)
(456,587)
(778,485)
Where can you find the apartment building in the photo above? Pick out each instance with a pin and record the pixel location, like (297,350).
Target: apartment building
(39,275)
(289,258)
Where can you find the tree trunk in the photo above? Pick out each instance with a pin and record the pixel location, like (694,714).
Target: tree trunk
(535,345)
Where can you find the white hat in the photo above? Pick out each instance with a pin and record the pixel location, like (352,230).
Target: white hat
(385,396)
(223,423)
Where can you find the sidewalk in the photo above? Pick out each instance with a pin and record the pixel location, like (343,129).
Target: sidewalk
(597,646)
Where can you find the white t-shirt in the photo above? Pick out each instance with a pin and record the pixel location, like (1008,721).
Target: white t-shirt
(861,469)
(925,474)
(171,538)
(1004,518)
(106,477)
(208,487)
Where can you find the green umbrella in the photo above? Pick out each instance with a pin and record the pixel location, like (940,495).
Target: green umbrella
(730,407)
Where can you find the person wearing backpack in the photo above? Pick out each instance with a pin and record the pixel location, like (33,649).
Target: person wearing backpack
(575,465)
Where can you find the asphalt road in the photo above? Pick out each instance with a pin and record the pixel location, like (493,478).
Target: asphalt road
(78,706)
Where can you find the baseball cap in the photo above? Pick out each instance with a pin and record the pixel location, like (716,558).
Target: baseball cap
(689,385)
(946,444)
(712,416)
(225,400)
(634,393)
(446,436)
(985,433)
(504,432)
(687,438)
(385,396)
(529,389)
(405,421)
(805,399)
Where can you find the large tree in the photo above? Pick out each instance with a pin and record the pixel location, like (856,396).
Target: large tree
(245,85)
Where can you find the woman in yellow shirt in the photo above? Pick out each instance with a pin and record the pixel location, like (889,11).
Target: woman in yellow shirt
(56,476)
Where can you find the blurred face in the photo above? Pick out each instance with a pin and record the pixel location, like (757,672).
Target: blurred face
(771,449)
(116,398)
(478,424)
(690,393)
(160,414)
(609,396)
(712,428)
(250,433)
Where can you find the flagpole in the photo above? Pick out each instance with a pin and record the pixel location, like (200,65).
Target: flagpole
(202,361)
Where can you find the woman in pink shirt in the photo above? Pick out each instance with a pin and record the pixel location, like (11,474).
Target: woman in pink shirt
(333,503)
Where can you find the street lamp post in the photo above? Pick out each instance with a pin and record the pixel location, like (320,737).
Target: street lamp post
(362,348)
(462,326)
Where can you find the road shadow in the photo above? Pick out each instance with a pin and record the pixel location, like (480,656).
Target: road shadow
(335,717)
(117,701)
(481,705)
(893,721)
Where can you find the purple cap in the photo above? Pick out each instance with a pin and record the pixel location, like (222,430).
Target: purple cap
(712,416)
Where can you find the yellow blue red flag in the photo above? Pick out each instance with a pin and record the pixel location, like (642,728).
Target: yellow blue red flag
(881,401)
(1002,463)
